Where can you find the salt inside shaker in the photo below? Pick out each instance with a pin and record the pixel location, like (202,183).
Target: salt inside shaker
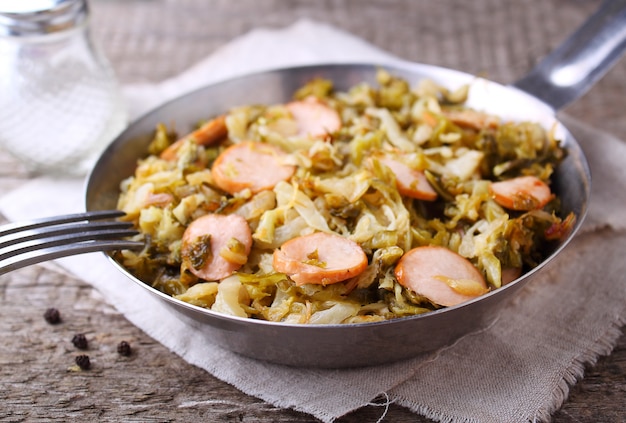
(60,104)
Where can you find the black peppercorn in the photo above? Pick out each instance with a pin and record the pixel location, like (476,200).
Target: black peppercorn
(52,316)
(83,362)
(123,348)
(80,341)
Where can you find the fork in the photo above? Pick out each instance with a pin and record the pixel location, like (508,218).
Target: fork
(25,243)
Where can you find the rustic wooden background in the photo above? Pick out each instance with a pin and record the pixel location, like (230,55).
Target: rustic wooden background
(150,40)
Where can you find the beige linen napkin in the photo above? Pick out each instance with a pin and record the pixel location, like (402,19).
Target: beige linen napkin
(519,369)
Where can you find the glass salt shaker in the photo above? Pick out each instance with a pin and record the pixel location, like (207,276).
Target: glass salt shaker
(60,104)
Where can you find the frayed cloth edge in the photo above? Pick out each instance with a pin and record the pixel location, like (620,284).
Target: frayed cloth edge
(576,369)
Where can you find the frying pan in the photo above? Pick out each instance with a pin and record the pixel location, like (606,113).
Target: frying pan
(559,79)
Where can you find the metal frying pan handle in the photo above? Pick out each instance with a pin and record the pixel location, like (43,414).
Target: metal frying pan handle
(570,70)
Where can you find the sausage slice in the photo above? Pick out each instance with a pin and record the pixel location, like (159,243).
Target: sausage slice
(211,132)
(410,182)
(214,246)
(521,193)
(314,118)
(472,119)
(253,165)
(431,271)
(320,258)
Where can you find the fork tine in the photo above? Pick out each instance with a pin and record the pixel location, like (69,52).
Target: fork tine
(31,244)
(11,228)
(31,233)
(26,243)
(51,253)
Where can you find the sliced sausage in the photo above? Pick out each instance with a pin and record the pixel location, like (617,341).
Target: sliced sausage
(160,200)
(521,193)
(509,274)
(214,246)
(314,118)
(474,119)
(410,182)
(432,271)
(211,132)
(320,258)
(253,165)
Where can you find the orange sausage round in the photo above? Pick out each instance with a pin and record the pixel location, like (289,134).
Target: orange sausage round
(410,182)
(521,193)
(253,165)
(221,229)
(320,258)
(424,270)
(314,118)
(211,132)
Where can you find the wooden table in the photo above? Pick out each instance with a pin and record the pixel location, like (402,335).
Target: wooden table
(149,40)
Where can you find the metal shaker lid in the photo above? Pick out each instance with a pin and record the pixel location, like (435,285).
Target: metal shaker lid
(39,17)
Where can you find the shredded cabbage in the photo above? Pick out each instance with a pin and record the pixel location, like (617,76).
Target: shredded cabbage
(339,186)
